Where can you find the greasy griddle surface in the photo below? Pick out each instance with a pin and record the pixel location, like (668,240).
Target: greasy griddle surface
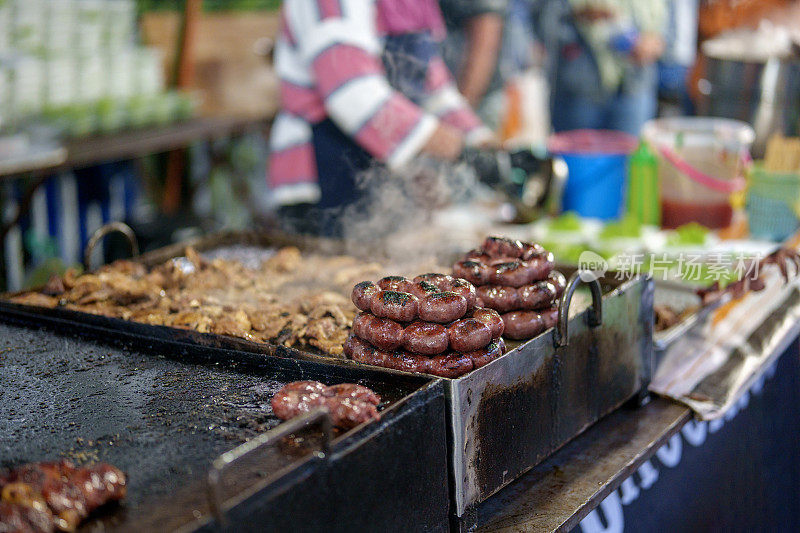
(162,421)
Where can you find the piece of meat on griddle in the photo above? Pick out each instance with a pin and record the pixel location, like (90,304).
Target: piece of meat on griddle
(58,489)
(348,404)
(18,518)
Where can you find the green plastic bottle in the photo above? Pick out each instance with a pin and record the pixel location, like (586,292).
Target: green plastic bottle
(644,203)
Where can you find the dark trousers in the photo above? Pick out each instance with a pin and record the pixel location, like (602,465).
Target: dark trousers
(339,161)
(341,164)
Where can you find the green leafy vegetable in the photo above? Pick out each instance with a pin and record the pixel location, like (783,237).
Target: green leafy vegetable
(568,221)
(628,227)
(688,234)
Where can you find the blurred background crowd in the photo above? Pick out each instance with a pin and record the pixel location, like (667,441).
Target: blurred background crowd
(181,117)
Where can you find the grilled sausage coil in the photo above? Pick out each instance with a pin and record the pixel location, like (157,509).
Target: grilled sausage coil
(448,365)
(445,283)
(505,247)
(348,404)
(469,334)
(48,495)
(428,338)
(431,297)
(491,318)
(505,262)
(538,295)
(518,281)
(520,325)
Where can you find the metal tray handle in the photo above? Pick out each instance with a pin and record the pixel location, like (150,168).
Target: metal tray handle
(594,314)
(102,231)
(223,462)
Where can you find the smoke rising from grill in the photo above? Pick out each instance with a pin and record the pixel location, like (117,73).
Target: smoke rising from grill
(396,212)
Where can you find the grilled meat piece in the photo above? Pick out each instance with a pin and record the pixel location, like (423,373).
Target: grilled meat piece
(285,260)
(284,300)
(54,286)
(348,404)
(59,490)
(35,299)
(100,483)
(19,518)
(783,258)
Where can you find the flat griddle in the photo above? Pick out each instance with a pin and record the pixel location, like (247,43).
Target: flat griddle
(224,245)
(163,417)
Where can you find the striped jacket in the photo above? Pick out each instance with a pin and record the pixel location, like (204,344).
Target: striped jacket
(329,60)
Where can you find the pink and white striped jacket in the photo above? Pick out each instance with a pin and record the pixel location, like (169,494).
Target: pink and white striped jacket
(328,59)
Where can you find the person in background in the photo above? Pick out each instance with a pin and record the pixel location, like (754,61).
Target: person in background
(679,56)
(603,57)
(472,51)
(363,85)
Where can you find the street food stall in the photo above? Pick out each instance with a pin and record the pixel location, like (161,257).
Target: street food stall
(595,331)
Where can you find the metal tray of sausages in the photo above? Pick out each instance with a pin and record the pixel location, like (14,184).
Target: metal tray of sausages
(511,414)
(505,417)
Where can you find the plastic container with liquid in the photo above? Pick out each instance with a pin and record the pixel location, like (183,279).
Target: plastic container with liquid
(701,163)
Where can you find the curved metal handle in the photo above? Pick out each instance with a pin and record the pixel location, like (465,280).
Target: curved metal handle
(595,313)
(97,236)
(223,462)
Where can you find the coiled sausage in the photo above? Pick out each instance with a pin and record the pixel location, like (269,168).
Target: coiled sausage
(521,325)
(491,318)
(424,338)
(362,295)
(469,334)
(400,306)
(427,338)
(447,365)
(513,272)
(538,295)
(442,307)
(431,297)
(382,333)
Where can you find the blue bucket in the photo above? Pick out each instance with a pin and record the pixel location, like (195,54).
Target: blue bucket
(597,164)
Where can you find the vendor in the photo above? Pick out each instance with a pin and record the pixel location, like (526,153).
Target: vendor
(362,86)
(603,60)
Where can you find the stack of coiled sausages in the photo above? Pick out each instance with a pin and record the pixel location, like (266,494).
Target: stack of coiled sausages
(518,281)
(429,324)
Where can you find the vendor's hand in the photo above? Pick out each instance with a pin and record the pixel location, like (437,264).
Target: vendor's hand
(648,48)
(490,143)
(502,170)
(588,14)
(446,143)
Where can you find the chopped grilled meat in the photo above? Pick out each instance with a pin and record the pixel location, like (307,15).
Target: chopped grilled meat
(285,260)
(35,299)
(56,494)
(348,404)
(283,301)
(20,518)
(100,483)
(665,316)
(782,258)
(54,286)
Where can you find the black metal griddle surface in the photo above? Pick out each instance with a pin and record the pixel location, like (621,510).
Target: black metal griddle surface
(161,420)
